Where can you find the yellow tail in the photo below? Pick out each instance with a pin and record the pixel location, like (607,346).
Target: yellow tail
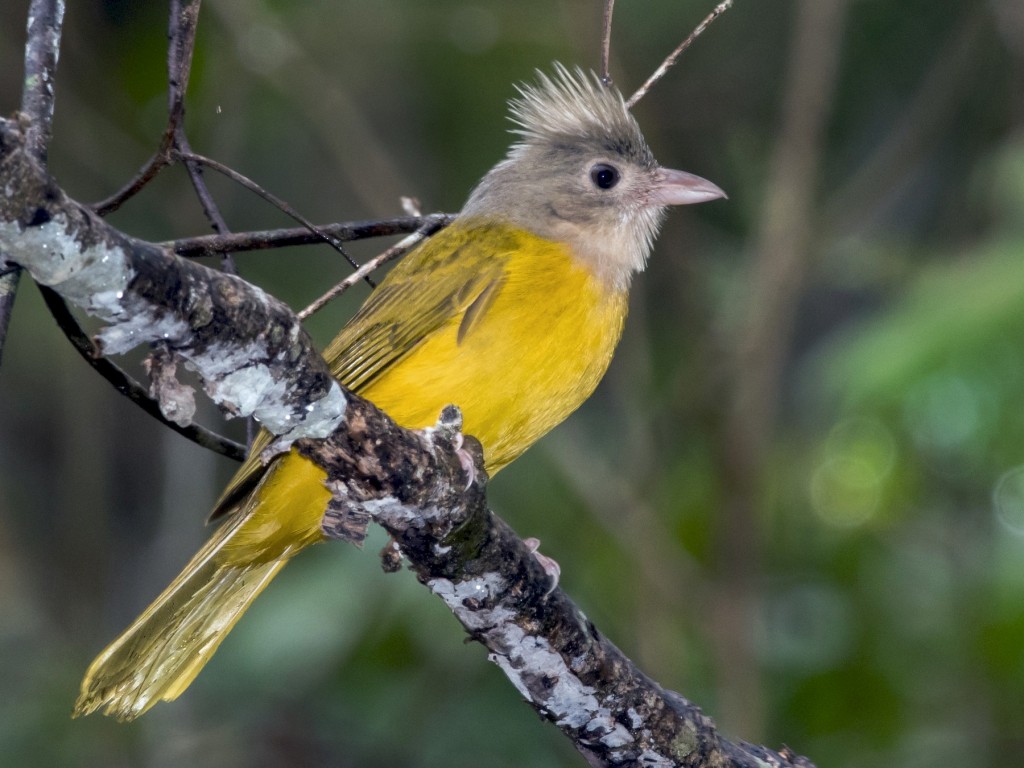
(163,650)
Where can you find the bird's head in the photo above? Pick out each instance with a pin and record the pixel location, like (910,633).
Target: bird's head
(581,173)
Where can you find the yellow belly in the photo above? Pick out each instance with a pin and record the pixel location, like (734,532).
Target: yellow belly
(535,354)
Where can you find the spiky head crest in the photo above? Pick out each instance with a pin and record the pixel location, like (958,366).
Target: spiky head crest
(576,105)
(581,173)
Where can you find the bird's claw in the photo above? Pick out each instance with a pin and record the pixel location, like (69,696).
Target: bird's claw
(465,460)
(450,422)
(549,564)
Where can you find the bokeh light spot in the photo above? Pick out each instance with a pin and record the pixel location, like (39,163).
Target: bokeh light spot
(846,487)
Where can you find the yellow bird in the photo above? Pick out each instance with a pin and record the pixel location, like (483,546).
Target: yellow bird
(512,313)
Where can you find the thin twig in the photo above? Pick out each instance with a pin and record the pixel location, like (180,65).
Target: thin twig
(183,24)
(672,57)
(606,43)
(207,245)
(372,265)
(127,386)
(181,33)
(160,160)
(195,175)
(277,202)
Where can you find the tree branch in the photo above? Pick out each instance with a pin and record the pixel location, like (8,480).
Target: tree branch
(248,348)
(254,358)
(555,657)
(42,49)
(606,42)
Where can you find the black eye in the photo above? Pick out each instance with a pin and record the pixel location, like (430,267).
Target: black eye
(604,176)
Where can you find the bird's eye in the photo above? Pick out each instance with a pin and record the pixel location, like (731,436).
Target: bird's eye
(604,176)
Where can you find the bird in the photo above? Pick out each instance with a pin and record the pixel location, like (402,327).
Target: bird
(512,313)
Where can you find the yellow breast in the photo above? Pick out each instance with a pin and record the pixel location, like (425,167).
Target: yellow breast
(535,353)
(509,327)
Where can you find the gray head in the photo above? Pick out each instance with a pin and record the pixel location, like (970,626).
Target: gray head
(582,174)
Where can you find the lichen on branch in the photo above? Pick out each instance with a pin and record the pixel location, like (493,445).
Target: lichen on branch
(247,347)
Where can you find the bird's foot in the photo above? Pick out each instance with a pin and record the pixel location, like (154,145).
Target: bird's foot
(450,424)
(550,565)
(465,460)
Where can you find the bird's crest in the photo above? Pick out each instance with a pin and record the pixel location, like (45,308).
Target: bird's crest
(572,104)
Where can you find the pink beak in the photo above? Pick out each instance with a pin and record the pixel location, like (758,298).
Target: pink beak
(681,188)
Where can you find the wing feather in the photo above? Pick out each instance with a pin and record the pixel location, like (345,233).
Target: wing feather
(432,287)
(451,278)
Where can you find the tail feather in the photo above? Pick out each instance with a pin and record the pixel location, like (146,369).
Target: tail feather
(165,648)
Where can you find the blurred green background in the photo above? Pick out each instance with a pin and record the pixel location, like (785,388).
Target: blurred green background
(797,498)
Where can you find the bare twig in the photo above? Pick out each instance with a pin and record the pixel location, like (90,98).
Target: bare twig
(209,205)
(175,145)
(330,111)
(182,24)
(127,386)
(195,175)
(411,206)
(37,103)
(206,245)
(277,202)
(396,250)
(672,57)
(606,42)
(181,33)
(142,177)
(182,28)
